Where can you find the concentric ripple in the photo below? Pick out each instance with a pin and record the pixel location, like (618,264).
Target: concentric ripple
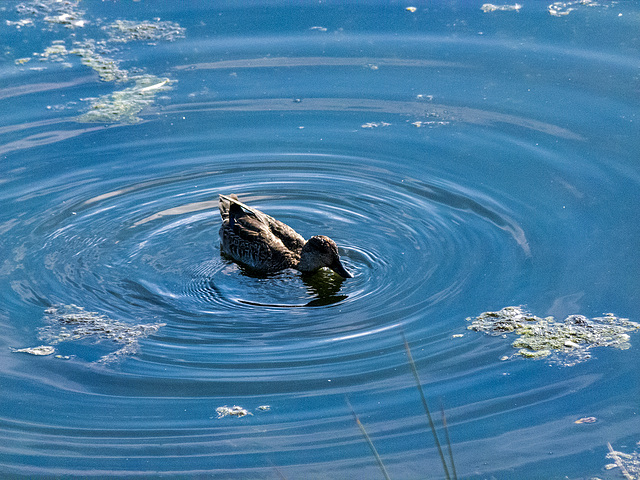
(151,250)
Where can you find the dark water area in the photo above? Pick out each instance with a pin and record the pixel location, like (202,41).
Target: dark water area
(463,159)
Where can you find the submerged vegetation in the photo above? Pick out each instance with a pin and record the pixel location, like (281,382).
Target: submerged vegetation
(568,342)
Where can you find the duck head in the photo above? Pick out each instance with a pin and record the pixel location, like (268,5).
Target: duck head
(321,251)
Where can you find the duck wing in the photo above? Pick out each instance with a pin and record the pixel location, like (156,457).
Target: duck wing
(253,225)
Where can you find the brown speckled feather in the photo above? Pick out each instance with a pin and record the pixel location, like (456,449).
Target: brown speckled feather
(256,239)
(265,244)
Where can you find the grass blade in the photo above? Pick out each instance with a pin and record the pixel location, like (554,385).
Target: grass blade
(368,439)
(446,436)
(426,408)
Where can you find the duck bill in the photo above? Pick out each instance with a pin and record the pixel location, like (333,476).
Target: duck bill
(340,270)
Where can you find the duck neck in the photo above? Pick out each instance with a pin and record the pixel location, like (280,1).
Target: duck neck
(306,263)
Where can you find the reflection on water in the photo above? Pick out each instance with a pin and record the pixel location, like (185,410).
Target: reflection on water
(463,161)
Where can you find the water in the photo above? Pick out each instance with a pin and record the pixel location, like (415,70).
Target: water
(463,161)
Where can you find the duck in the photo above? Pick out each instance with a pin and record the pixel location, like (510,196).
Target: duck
(267,245)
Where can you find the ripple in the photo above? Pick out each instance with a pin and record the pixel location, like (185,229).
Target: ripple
(458,169)
(149,250)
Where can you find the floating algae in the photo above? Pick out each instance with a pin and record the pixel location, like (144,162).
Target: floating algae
(234,411)
(69,20)
(72,323)
(106,68)
(489,7)
(41,350)
(122,31)
(237,411)
(62,12)
(559,9)
(628,463)
(568,342)
(123,106)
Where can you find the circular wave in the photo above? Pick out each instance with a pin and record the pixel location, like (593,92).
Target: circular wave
(151,250)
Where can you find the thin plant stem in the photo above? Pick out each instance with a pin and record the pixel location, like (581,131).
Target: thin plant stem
(446,436)
(426,408)
(368,439)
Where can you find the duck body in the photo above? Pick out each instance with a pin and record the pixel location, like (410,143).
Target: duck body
(267,245)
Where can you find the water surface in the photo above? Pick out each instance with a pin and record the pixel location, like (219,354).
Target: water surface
(462,160)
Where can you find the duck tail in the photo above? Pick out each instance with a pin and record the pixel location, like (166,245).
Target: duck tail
(224,204)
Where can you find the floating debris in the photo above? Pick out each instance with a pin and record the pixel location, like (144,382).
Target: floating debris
(123,31)
(570,340)
(629,464)
(69,323)
(586,420)
(411,9)
(234,411)
(123,106)
(488,7)
(560,9)
(431,123)
(41,350)
(264,408)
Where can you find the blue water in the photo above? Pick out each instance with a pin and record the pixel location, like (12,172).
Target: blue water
(463,161)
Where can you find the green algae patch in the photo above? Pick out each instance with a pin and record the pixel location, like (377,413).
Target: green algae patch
(123,106)
(106,68)
(68,323)
(123,31)
(101,56)
(567,342)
